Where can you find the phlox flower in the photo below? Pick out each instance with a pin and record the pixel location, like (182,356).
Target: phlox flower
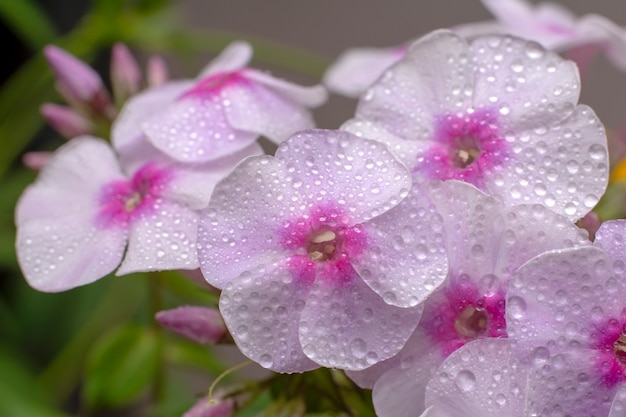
(549,24)
(228,107)
(486,242)
(321,256)
(500,114)
(553,26)
(87,212)
(566,312)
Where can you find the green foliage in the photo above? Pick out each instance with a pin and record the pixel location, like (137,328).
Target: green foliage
(121,367)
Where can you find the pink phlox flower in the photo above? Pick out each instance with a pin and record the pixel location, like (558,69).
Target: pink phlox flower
(486,242)
(88,211)
(554,27)
(322,253)
(500,114)
(228,107)
(566,316)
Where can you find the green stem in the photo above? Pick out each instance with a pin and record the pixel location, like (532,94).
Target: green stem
(156,305)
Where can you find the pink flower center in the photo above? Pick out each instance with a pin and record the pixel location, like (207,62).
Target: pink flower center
(122,201)
(466,147)
(322,245)
(214,84)
(611,346)
(458,313)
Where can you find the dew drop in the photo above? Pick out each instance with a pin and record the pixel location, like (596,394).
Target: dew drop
(517,307)
(465,380)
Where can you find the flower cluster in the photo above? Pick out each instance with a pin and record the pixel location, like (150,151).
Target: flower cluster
(428,247)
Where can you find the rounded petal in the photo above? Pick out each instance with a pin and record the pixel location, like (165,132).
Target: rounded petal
(63,252)
(356,69)
(193,184)
(562,166)
(252,107)
(348,326)
(262,310)
(530,87)
(241,228)
(406,258)
(361,175)
(235,56)
(64,184)
(484,377)
(194,128)
(564,384)
(401,391)
(307,96)
(610,237)
(550,303)
(435,77)
(618,407)
(162,239)
(127,130)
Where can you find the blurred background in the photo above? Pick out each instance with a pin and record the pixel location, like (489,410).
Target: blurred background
(95,351)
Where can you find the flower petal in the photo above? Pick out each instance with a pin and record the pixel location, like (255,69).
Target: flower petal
(484,376)
(163,239)
(235,56)
(406,258)
(346,325)
(530,86)
(261,309)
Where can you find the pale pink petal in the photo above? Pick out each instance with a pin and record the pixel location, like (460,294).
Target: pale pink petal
(313,96)
(529,86)
(58,253)
(346,325)
(484,377)
(127,130)
(63,186)
(612,38)
(550,294)
(235,56)
(262,310)
(162,239)
(360,175)
(356,69)
(564,384)
(194,128)
(406,258)
(564,165)
(401,391)
(435,77)
(611,237)
(470,31)
(194,183)
(251,107)
(235,236)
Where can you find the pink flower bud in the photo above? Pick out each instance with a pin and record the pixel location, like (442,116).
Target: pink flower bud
(77,82)
(207,408)
(200,324)
(125,72)
(36,160)
(591,223)
(157,72)
(65,120)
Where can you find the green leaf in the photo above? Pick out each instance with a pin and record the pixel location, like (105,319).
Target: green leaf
(28,22)
(20,394)
(121,366)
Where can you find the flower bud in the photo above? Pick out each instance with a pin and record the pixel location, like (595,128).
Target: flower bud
(65,120)
(200,324)
(77,82)
(36,160)
(207,408)
(125,73)
(156,72)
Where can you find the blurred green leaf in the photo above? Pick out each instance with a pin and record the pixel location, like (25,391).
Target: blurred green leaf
(28,21)
(186,290)
(121,366)
(19,393)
